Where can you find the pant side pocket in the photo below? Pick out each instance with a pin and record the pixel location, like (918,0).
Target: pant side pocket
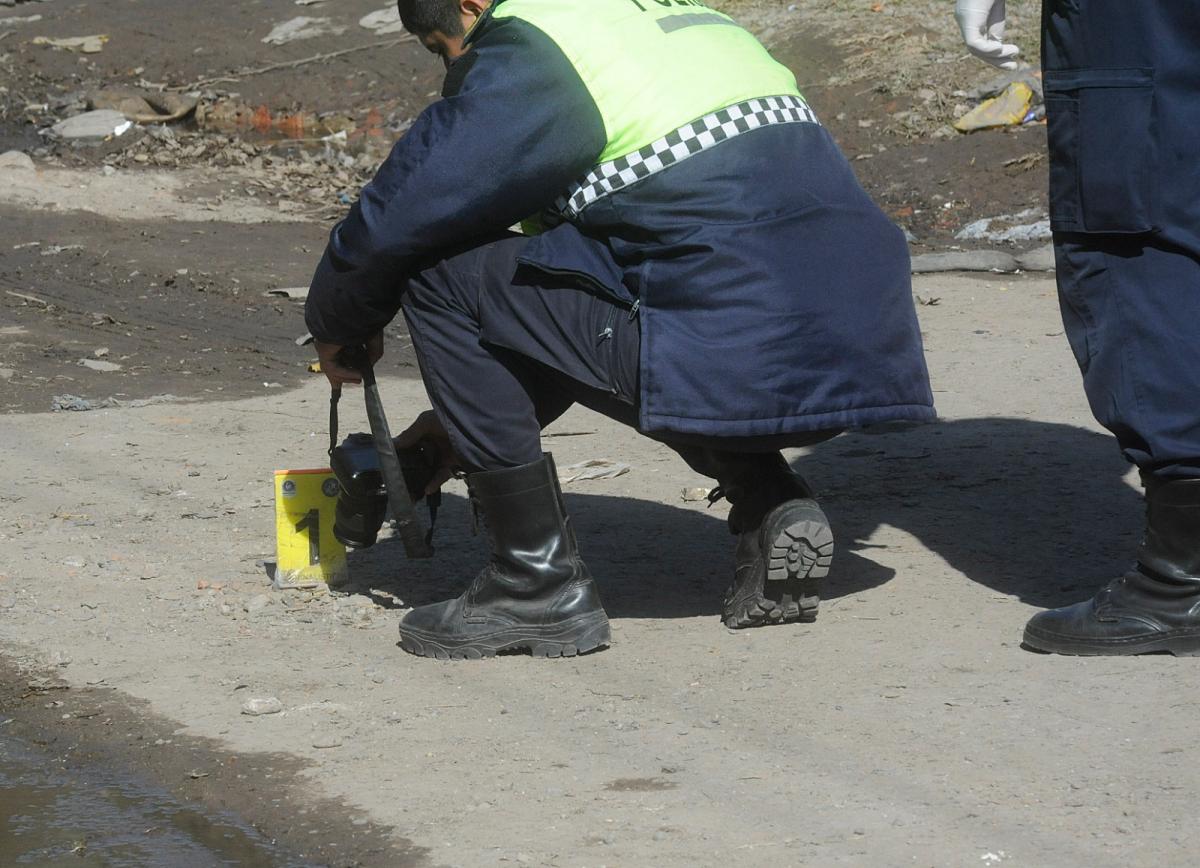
(1103,150)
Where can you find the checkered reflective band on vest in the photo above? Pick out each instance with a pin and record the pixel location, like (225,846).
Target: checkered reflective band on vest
(687,141)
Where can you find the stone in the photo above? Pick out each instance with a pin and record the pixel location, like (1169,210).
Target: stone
(1041,259)
(259,706)
(256,604)
(95,126)
(16,160)
(327,740)
(964,260)
(100,365)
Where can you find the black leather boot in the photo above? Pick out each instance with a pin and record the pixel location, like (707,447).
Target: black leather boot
(1153,607)
(535,593)
(785,545)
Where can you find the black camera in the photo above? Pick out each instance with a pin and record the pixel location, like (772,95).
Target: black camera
(362,502)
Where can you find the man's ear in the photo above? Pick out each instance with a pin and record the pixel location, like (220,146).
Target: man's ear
(473,8)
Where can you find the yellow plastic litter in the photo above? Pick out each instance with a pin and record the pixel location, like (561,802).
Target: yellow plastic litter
(1006,110)
(307,552)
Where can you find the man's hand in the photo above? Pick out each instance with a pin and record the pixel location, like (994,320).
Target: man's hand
(335,371)
(428,427)
(982,26)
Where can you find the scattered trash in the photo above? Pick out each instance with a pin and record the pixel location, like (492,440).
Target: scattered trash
(305,339)
(84,44)
(596,468)
(386,20)
(259,707)
(302,27)
(143,106)
(1025,74)
(226,116)
(100,365)
(695,495)
(19,19)
(76,404)
(94,125)
(1007,110)
(55,249)
(928,301)
(16,160)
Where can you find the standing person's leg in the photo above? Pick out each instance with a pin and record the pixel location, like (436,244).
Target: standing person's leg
(1125,209)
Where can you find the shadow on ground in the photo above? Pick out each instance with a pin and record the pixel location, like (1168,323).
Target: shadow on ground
(1037,510)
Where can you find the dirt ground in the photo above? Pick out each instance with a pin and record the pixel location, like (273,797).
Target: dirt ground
(905,727)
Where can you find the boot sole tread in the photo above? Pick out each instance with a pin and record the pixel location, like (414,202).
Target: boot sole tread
(1181,643)
(798,557)
(568,639)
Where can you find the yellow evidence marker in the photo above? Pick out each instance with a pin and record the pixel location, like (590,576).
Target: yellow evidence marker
(307,552)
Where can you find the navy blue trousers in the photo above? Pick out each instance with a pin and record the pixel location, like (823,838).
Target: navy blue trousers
(504,352)
(1122,84)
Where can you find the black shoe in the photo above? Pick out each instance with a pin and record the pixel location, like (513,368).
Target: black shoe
(1153,607)
(785,544)
(535,594)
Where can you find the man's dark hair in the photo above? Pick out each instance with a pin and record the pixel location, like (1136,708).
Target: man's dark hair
(422,17)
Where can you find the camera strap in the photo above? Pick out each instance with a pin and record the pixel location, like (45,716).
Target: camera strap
(335,395)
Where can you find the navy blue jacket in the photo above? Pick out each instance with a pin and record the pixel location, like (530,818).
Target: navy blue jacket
(774,296)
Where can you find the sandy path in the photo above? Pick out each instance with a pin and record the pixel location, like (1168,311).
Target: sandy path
(905,727)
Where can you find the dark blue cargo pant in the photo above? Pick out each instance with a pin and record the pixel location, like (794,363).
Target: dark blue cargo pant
(1122,82)
(504,352)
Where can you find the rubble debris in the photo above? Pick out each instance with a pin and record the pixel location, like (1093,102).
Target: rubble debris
(695,495)
(1011,230)
(143,106)
(302,27)
(93,126)
(93,44)
(1009,109)
(296,293)
(386,20)
(19,19)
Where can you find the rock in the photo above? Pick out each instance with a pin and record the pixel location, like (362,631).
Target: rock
(963,260)
(1041,259)
(386,20)
(76,563)
(100,365)
(256,604)
(302,27)
(8,601)
(94,126)
(258,707)
(16,160)
(7,374)
(327,740)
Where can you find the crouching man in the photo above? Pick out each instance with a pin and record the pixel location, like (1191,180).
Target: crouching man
(704,268)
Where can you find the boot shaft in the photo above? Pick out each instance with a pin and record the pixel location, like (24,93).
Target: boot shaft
(1171,548)
(533,546)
